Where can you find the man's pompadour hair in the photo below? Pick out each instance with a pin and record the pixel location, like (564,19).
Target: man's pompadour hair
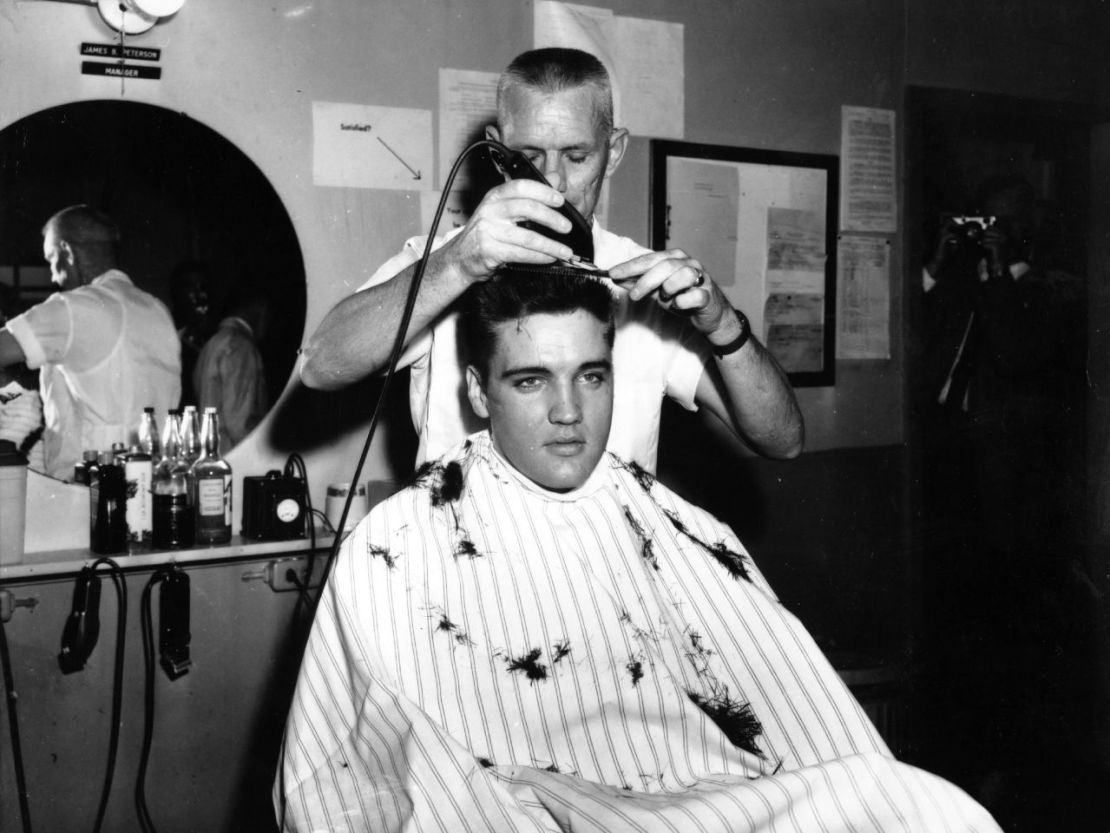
(513,294)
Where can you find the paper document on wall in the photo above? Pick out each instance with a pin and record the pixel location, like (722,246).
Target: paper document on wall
(868,192)
(644,57)
(863,298)
(456,211)
(363,146)
(795,330)
(703,218)
(467,105)
(651,69)
(794,315)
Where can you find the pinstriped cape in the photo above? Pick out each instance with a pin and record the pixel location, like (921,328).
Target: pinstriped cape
(488,655)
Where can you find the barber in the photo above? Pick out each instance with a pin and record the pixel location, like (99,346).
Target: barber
(677,334)
(106,348)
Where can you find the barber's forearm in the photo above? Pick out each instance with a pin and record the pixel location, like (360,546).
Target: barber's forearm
(357,335)
(760,401)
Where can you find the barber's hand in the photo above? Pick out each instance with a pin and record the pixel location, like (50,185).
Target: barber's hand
(21,416)
(492,236)
(677,282)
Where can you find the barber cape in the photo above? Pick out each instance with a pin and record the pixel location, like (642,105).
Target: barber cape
(488,655)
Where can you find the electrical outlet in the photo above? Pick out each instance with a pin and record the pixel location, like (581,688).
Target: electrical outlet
(8,603)
(280,572)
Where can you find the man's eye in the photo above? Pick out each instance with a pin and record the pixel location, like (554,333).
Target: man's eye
(577,158)
(593,378)
(527,383)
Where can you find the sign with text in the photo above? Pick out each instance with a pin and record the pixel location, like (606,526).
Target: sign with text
(114,50)
(120,70)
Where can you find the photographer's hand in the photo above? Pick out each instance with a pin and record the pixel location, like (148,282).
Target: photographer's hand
(947,243)
(995,243)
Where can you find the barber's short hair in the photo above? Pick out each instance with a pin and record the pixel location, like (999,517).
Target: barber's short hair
(554,69)
(82,225)
(513,294)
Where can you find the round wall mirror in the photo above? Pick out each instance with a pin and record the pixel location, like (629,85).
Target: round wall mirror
(187,202)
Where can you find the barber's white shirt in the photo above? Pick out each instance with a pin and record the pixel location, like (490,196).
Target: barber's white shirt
(107,350)
(654,354)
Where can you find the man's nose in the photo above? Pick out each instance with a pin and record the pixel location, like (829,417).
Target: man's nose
(565,409)
(553,171)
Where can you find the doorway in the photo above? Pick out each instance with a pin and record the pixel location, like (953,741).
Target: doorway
(1007,654)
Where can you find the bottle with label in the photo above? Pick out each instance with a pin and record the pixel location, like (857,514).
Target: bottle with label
(212,485)
(138,473)
(108,507)
(191,448)
(148,438)
(173,525)
(81,469)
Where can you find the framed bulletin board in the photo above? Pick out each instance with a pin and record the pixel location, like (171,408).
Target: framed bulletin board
(763,224)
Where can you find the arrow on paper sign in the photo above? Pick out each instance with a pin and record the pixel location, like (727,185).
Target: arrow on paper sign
(415,174)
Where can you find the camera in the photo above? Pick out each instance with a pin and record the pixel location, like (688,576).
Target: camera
(971,228)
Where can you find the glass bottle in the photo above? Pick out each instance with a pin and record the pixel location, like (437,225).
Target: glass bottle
(119,451)
(138,473)
(190,435)
(81,469)
(212,485)
(148,438)
(173,525)
(108,507)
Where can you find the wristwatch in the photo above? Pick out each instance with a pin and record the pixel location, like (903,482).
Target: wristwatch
(722,350)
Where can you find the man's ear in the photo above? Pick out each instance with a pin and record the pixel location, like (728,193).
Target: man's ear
(618,144)
(493,134)
(475,392)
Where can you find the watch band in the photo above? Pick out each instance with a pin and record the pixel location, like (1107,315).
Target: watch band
(722,350)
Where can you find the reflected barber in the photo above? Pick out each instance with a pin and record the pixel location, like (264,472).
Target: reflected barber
(106,348)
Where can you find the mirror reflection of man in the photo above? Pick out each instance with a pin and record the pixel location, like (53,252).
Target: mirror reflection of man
(230,374)
(538,635)
(195,314)
(106,348)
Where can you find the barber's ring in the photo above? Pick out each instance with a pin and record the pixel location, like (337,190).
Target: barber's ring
(700,279)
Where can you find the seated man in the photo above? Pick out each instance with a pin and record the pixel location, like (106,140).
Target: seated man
(537,635)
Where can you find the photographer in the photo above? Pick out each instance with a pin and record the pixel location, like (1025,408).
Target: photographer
(1001,403)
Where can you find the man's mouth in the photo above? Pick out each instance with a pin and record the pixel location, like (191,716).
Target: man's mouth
(566,446)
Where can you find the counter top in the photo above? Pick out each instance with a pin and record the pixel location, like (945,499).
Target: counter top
(65,562)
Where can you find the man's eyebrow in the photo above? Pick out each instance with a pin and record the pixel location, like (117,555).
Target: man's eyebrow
(596,364)
(540,370)
(580,147)
(535,370)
